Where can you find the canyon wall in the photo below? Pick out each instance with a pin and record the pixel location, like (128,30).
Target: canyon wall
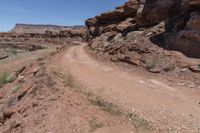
(180,18)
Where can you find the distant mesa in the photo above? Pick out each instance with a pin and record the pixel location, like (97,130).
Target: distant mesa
(41,29)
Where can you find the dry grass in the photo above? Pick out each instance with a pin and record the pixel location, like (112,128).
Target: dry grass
(94,124)
(109,107)
(68,80)
(5,78)
(138,122)
(112,108)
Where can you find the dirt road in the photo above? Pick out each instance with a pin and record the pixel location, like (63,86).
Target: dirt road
(166,107)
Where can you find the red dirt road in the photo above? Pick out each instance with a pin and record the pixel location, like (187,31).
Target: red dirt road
(166,107)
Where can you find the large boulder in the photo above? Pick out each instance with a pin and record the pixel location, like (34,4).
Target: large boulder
(188,40)
(130,8)
(124,25)
(165,9)
(194,22)
(154,11)
(73,33)
(145,6)
(116,20)
(91,22)
(111,17)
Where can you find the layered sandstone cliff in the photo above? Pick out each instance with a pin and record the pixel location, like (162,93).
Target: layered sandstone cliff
(180,17)
(142,31)
(41,29)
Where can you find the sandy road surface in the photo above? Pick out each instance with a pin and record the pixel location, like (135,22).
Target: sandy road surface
(165,106)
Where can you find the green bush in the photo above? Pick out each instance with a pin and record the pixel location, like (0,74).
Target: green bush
(151,64)
(5,78)
(14,52)
(198,66)
(170,67)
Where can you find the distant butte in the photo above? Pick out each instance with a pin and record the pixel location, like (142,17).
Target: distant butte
(38,28)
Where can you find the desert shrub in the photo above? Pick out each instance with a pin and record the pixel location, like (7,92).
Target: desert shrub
(15,89)
(68,80)
(40,59)
(14,52)
(105,105)
(151,64)
(170,67)
(52,54)
(138,122)
(94,124)
(5,78)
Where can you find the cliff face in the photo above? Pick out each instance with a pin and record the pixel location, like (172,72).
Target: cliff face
(41,29)
(140,31)
(181,23)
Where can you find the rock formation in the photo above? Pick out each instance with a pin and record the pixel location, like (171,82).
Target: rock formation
(30,28)
(181,20)
(139,32)
(44,31)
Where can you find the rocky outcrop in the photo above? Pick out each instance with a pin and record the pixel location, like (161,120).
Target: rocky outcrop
(155,11)
(74,32)
(113,20)
(181,18)
(187,40)
(182,24)
(130,8)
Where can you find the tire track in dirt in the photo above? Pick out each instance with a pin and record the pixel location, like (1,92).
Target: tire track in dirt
(165,106)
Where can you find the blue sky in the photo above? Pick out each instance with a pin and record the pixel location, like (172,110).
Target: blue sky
(58,12)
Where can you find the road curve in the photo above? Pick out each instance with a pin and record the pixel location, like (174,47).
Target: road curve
(163,105)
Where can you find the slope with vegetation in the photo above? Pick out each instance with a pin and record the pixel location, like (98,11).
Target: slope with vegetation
(161,36)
